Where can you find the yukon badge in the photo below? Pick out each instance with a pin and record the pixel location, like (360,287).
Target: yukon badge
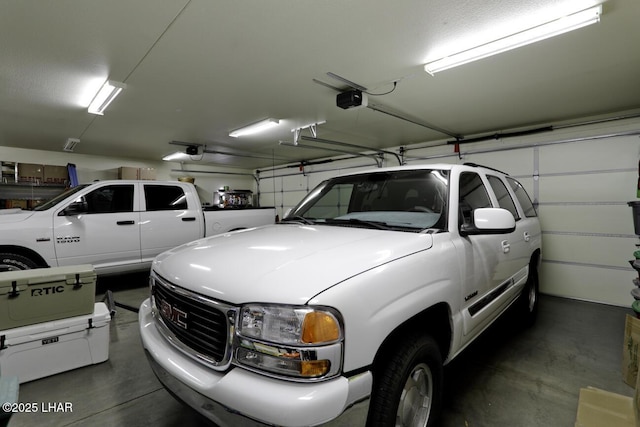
(472,295)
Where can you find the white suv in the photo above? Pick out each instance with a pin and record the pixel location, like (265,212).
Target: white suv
(349,306)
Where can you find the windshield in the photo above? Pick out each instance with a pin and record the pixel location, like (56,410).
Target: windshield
(51,203)
(411,200)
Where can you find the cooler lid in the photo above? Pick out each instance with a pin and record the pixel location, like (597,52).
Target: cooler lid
(70,275)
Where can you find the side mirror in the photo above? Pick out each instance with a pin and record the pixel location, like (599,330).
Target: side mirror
(489,221)
(75,208)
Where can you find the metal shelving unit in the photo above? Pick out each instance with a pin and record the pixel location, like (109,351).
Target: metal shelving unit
(31,192)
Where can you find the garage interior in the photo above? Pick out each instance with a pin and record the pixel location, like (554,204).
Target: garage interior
(561,115)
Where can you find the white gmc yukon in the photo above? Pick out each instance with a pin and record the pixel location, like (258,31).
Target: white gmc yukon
(348,308)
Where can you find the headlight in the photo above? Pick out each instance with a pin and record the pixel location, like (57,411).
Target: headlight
(289,325)
(300,342)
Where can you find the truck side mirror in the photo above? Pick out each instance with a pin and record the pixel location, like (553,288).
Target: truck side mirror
(489,221)
(75,208)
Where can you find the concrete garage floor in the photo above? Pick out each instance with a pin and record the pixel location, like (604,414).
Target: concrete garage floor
(509,377)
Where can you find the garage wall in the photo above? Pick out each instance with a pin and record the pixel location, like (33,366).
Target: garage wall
(91,168)
(581,179)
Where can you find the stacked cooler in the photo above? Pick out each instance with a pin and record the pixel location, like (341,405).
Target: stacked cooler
(50,323)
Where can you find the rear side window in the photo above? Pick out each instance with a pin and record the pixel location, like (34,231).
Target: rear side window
(164,198)
(523,198)
(473,195)
(502,194)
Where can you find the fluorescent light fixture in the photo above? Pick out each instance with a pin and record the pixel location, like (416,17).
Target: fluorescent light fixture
(544,31)
(106,94)
(256,127)
(178,155)
(70,145)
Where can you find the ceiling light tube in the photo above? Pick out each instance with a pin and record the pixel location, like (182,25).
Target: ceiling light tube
(178,155)
(256,127)
(523,38)
(70,145)
(106,94)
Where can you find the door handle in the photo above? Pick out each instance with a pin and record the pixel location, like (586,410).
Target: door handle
(125,222)
(506,247)
(189,218)
(527,236)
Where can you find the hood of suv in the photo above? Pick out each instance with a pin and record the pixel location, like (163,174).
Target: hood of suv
(285,263)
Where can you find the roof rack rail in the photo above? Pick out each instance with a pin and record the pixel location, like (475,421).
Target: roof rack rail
(475,165)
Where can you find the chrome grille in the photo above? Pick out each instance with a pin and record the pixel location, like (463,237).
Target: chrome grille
(197,325)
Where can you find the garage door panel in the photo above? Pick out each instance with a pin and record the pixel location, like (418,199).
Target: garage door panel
(513,162)
(587,283)
(603,251)
(596,155)
(601,219)
(600,187)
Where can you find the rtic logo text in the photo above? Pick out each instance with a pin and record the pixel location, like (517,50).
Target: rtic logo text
(68,239)
(49,290)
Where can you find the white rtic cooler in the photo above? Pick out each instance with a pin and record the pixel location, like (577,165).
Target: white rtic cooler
(40,295)
(36,351)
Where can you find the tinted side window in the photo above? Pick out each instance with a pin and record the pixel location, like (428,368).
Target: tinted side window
(473,195)
(164,198)
(523,198)
(502,194)
(110,199)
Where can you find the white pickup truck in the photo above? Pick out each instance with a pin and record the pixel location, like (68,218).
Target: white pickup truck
(348,308)
(117,226)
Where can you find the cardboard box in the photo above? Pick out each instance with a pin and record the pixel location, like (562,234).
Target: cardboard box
(55,174)
(630,347)
(126,172)
(147,173)
(37,351)
(19,204)
(29,172)
(41,295)
(598,408)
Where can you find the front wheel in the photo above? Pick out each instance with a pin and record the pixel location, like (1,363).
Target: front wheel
(14,262)
(408,385)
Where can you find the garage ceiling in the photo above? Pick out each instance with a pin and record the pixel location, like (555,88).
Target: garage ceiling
(197,69)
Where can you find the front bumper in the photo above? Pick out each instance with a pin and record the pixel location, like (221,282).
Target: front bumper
(241,398)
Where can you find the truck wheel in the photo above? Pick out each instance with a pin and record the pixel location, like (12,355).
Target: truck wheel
(13,262)
(529,297)
(408,385)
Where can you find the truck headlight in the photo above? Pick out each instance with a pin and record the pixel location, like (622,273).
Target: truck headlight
(294,341)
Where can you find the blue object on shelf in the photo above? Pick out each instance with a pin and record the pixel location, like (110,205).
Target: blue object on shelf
(73,175)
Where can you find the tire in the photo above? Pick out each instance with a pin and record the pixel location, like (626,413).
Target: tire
(14,262)
(408,385)
(528,304)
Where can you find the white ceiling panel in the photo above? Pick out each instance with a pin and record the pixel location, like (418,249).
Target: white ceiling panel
(197,69)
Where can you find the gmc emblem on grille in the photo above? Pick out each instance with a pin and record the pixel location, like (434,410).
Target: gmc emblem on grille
(173,314)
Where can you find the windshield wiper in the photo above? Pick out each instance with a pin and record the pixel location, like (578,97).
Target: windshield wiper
(298,218)
(371,224)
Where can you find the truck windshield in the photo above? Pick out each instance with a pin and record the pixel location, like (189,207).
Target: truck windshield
(51,203)
(411,200)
